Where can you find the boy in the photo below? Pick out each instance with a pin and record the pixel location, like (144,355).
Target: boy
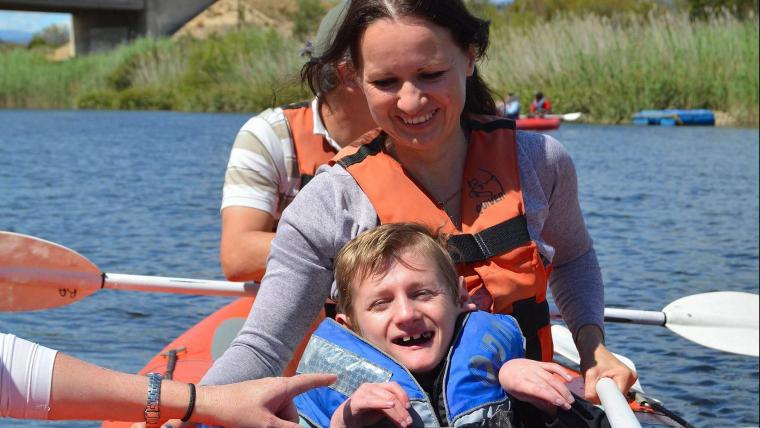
(414,356)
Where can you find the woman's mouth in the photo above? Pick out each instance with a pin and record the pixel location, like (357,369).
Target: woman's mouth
(417,120)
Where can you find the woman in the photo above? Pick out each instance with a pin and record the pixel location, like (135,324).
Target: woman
(509,198)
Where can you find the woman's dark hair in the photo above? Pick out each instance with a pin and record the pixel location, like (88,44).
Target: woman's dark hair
(466,30)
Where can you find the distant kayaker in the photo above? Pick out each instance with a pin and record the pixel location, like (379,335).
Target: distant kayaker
(445,158)
(512,106)
(277,152)
(40,383)
(540,105)
(399,290)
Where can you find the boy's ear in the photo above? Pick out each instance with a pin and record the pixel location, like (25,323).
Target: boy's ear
(465,300)
(463,295)
(344,320)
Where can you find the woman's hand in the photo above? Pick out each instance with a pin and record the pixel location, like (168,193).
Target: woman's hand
(370,403)
(535,382)
(598,362)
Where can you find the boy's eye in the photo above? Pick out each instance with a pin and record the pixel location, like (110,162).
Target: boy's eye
(378,305)
(424,294)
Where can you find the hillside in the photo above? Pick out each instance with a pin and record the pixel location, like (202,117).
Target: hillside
(226,15)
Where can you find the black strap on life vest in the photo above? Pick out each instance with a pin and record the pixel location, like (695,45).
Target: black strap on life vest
(531,316)
(305,179)
(300,104)
(370,149)
(490,242)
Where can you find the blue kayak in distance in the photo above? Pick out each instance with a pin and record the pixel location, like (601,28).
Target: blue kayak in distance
(700,117)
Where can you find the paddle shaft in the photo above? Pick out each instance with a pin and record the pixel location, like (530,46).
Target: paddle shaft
(118,281)
(616,407)
(629,316)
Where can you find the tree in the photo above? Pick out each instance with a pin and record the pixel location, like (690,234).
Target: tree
(52,35)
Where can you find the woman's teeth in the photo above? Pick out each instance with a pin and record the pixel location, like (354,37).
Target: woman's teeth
(419,119)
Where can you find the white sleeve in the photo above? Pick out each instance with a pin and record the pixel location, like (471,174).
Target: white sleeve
(26,375)
(257,173)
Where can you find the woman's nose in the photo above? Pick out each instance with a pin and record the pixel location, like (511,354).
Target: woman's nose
(410,98)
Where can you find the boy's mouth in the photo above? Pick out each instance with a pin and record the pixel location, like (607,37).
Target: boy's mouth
(414,340)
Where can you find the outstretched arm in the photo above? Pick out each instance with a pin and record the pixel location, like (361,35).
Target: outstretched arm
(44,384)
(85,391)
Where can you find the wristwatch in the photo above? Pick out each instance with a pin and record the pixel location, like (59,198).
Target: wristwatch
(152,407)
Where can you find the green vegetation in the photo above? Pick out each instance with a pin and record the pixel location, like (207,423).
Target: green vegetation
(606,66)
(610,68)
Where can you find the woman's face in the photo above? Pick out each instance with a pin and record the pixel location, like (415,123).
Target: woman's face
(414,77)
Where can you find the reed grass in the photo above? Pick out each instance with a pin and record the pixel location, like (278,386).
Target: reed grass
(608,68)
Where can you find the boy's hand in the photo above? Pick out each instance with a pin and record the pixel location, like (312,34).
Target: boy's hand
(534,382)
(370,403)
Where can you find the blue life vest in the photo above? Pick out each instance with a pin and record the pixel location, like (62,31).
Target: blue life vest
(471,389)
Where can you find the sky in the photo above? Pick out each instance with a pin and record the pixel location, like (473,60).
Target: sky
(31,22)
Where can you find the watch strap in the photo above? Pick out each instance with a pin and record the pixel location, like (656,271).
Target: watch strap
(152,406)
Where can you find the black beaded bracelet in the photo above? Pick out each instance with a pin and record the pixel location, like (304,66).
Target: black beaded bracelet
(190,405)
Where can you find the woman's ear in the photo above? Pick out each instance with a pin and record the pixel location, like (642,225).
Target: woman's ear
(344,320)
(348,75)
(471,60)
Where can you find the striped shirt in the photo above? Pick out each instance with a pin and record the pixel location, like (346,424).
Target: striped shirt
(262,172)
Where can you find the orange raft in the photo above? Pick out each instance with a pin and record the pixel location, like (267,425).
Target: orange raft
(190,355)
(538,123)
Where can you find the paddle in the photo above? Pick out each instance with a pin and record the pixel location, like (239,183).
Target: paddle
(37,274)
(723,320)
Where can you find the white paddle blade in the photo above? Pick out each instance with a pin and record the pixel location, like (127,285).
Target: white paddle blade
(37,274)
(723,320)
(570,117)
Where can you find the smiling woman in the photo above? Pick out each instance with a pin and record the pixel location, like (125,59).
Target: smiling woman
(506,199)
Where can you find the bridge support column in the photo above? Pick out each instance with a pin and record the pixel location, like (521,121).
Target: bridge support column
(100,31)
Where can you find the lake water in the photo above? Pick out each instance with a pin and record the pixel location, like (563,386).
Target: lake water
(673,212)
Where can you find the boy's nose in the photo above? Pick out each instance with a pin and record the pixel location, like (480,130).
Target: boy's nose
(406,311)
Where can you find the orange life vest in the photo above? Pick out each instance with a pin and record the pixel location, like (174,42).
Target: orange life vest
(493,249)
(312,150)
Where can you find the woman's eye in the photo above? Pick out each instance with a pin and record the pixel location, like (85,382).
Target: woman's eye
(433,76)
(384,83)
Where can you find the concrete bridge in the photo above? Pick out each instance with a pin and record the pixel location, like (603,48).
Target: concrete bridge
(100,25)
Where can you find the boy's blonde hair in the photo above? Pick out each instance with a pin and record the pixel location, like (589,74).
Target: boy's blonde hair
(374,251)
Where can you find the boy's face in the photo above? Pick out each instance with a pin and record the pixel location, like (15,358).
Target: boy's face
(407,313)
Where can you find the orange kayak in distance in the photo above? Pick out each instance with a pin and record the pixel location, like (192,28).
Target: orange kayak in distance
(538,123)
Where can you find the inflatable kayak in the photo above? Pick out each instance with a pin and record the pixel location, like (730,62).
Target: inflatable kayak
(191,354)
(674,117)
(538,123)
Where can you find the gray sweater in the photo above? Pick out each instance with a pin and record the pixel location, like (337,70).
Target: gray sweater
(332,209)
